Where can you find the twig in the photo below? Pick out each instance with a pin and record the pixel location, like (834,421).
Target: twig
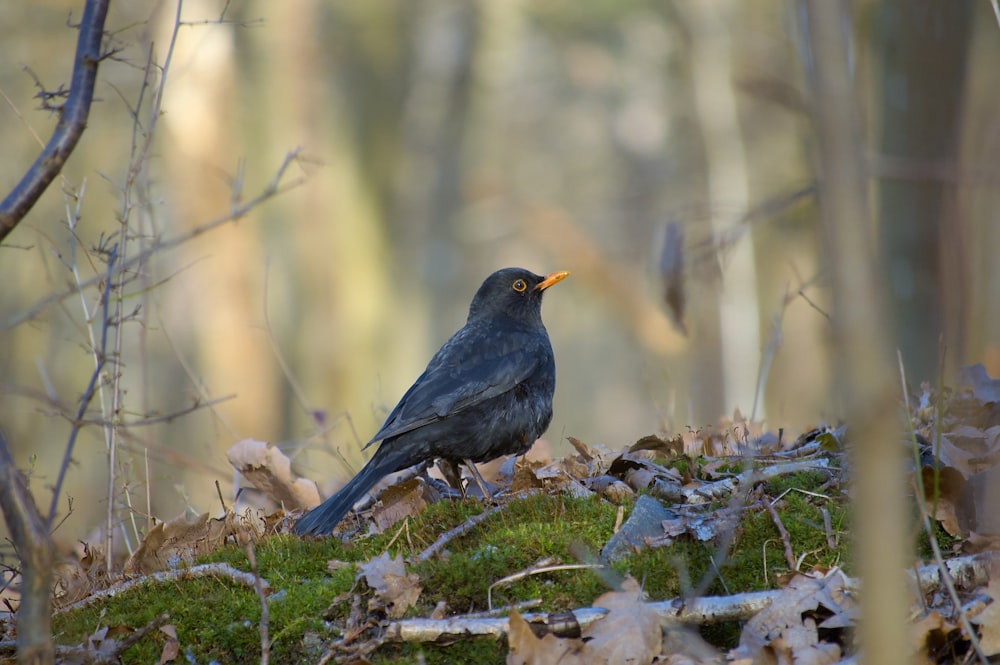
(193,377)
(30,535)
(218,490)
(72,120)
(89,392)
(459,530)
(789,554)
(139,633)
(265,613)
(971,570)
(506,609)
(165,418)
(945,577)
(828,527)
(537,569)
(204,570)
(274,188)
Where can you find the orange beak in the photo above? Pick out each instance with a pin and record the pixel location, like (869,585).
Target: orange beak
(551,279)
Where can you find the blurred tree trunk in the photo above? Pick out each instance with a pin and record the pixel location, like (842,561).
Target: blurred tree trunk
(922,49)
(726,177)
(431,175)
(864,371)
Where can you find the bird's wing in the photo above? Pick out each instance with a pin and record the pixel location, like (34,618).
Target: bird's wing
(468,369)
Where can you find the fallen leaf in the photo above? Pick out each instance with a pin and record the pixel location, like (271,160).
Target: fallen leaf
(171,545)
(989,619)
(930,633)
(985,389)
(526,648)
(788,630)
(399,502)
(172,647)
(270,471)
(630,633)
(395,591)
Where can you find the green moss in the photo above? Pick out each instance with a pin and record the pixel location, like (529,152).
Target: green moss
(217,619)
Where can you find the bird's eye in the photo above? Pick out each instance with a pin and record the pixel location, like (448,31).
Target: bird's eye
(519,285)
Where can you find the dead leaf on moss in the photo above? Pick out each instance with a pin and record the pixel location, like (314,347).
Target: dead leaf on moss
(970,449)
(682,645)
(526,648)
(989,619)
(397,502)
(395,591)
(610,488)
(930,633)
(630,634)
(172,647)
(103,644)
(176,543)
(636,468)
(788,630)
(270,471)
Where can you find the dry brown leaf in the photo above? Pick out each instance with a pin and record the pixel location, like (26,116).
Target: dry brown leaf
(270,471)
(985,389)
(172,647)
(670,447)
(176,543)
(970,449)
(682,645)
(989,619)
(397,502)
(930,632)
(944,505)
(630,634)
(525,648)
(672,274)
(978,509)
(440,611)
(395,591)
(583,450)
(787,631)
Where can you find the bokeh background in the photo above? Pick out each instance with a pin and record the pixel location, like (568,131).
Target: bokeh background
(440,140)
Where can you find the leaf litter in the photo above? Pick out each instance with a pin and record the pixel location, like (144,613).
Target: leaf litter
(808,621)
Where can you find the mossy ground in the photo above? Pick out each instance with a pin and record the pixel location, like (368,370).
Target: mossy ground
(217,620)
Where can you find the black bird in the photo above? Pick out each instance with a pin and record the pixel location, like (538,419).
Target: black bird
(487,392)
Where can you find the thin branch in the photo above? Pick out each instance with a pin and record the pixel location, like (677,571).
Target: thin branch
(782,531)
(925,519)
(30,535)
(210,570)
(91,386)
(265,614)
(274,188)
(72,120)
(459,530)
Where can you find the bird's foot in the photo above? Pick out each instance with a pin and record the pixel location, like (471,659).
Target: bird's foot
(487,490)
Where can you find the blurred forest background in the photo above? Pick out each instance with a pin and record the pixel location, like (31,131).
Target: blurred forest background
(441,140)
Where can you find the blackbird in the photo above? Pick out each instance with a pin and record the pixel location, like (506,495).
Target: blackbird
(487,392)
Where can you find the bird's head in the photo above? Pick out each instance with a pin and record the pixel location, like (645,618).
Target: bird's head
(514,292)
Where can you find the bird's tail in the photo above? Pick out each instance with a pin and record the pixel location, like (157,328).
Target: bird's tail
(323,518)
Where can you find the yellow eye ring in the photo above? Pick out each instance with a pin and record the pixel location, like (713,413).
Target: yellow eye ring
(519,285)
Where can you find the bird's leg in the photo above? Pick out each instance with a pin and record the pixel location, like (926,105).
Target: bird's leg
(487,495)
(451,474)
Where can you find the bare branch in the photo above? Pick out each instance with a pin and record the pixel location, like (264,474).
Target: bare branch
(72,121)
(91,387)
(30,534)
(274,188)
